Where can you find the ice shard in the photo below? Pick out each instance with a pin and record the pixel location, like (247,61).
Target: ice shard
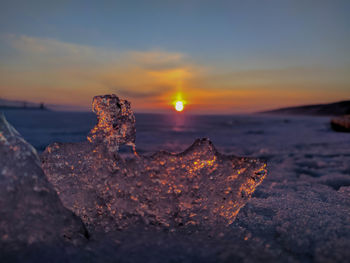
(199,186)
(341,124)
(31,211)
(116,122)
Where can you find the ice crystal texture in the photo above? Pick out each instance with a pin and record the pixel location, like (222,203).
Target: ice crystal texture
(30,211)
(116,122)
(197,187)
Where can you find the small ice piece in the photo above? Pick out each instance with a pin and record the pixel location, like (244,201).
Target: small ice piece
(199,186)
(116,122)
(31,210)
(341,124)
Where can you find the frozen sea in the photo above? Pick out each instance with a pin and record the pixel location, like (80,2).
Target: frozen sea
(300,213)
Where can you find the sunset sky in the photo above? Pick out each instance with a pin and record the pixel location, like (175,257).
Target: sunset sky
(219,56)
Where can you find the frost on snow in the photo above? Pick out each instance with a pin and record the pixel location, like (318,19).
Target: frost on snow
(199,186)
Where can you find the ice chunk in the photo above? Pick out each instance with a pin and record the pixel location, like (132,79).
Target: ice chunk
(30,210)
(341,124)
(116,122)
(197,187)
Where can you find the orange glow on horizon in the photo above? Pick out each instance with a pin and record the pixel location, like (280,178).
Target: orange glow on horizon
(66,76)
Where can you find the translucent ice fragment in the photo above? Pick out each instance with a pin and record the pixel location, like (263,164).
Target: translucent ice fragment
(30,210)
(116,122)
(341,124)
(197,187)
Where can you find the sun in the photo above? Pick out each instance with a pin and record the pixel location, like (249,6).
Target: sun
(179,105)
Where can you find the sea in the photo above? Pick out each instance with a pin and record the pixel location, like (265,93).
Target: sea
(295,144)
(250,134)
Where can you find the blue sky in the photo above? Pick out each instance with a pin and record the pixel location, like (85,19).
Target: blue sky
(297,51)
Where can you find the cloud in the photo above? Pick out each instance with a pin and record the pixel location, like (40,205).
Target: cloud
(130,92)
(158,60)
(74,73)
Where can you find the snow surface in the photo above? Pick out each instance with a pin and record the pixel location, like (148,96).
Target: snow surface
(300,212)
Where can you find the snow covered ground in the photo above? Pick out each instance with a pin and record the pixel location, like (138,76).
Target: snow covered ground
(300,213)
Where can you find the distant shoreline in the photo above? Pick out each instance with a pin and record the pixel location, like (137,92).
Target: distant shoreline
(22,108)
(330,109)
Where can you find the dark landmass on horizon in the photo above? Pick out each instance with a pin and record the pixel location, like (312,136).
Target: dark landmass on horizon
(22,108)
(330,109)
(21,105)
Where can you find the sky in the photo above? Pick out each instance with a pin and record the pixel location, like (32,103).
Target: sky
(217,56)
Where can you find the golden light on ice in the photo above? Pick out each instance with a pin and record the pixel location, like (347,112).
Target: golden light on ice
(179,106)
